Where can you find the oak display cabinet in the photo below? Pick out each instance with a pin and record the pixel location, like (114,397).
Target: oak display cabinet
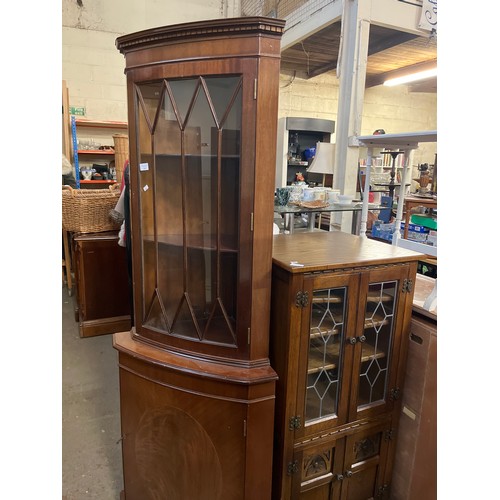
(340,315)
(196,386)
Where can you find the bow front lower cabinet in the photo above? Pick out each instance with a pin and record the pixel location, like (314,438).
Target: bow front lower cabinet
(197,388)
(340,317)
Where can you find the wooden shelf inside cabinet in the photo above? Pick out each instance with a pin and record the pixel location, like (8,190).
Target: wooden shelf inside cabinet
(325,298)
(190,156)
(318,361)
(318,333)
(374,297)
(197,242)
(376,320)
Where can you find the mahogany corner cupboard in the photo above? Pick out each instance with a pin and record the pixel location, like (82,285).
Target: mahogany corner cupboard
(196,386)
(340,316)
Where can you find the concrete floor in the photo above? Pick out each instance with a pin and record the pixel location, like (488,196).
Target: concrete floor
(91,446)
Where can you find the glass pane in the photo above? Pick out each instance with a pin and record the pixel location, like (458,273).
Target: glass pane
(379,326)
(220,90)
(324,364)
(230,141)
(200,190)
(183,92)
(168,193)
(146,198)
(189,179)
(151,94)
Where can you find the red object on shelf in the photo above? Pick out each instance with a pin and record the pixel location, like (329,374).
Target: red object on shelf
(96,151)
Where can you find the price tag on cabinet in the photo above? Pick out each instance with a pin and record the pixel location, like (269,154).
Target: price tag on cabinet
(143,167)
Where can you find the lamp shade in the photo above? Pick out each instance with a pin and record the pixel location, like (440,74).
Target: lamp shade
(324,159)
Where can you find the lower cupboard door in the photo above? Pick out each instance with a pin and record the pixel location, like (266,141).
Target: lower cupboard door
(365,462)
(317,472)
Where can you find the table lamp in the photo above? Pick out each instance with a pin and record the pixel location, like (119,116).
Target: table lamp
(323,160)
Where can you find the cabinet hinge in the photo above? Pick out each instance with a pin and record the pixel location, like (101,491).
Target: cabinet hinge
(251,221)
(294,423)
(407,285)
(395,393)
(302,299)
(293,467)
(382,490)
(389,434)
(255,88)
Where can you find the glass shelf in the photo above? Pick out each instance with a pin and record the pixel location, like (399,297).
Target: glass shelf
(193,241)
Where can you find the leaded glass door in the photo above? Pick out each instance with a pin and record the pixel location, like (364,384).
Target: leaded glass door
(377,341)
(189,151)
(323,388)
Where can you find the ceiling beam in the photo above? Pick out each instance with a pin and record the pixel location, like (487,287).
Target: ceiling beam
(322,69)
(389,42)
(314,23)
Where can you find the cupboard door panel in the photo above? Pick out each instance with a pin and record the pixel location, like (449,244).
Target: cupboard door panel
(365,459)
(319,470)
(200,191)
(378,341)
(325,362)
(174,445)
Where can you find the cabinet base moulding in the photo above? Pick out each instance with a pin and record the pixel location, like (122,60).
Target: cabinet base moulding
(104,326)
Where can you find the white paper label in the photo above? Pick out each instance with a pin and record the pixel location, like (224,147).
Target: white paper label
(143,167)
(146,187)
(408,412)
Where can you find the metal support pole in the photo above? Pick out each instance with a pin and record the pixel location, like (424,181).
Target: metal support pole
(399,212)
(366,193)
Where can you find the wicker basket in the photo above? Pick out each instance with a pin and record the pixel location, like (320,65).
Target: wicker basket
(121,154)
(87,210)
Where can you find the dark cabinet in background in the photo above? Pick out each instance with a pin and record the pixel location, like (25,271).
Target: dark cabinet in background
(103,300)
(295,137)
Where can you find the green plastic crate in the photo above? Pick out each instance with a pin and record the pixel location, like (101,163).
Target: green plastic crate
(423,220)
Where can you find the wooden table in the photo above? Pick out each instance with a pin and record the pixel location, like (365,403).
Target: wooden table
(416,201)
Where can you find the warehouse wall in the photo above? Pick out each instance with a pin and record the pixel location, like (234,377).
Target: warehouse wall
(392,108)
(91,64)
(93,67)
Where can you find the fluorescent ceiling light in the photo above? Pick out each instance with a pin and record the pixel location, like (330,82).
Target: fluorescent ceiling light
(420,75)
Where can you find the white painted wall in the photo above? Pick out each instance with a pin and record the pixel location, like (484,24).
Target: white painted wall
(392,108)
(93,68)
(91,64)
